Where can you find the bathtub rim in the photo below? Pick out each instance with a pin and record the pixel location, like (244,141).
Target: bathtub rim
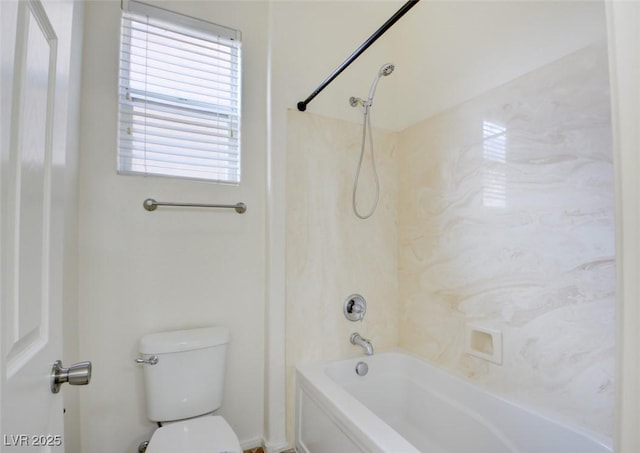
(316,372)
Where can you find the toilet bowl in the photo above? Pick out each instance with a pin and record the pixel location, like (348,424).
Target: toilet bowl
(184,380)
(207,434)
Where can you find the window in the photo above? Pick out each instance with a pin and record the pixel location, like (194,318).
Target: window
(179,96)
(494,151)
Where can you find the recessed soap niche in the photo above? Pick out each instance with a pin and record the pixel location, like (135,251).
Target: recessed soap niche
(484,343)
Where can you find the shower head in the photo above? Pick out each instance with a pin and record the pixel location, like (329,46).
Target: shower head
(386,69)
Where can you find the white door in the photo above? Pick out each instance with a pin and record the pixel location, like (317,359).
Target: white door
(35,64)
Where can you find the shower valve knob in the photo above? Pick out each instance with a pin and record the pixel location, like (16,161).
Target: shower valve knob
(355,307)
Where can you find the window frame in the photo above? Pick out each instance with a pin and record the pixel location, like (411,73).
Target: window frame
(141,13)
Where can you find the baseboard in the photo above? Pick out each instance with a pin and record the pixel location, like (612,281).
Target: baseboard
(276,447)
(248,444)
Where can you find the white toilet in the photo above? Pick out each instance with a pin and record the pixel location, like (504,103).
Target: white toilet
(184,380)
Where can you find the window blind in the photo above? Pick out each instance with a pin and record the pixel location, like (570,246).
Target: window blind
(179,96)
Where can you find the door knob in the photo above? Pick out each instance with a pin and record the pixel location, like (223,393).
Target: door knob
(77,374)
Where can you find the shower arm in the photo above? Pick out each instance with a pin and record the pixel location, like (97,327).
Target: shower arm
(302,105)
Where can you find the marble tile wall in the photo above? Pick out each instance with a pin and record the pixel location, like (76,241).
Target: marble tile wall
(506,220)
(497,213)
(332,254)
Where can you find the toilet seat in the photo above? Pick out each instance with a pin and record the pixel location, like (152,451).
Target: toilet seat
(208,434)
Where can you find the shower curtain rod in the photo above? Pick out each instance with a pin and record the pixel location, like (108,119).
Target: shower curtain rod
(302,105)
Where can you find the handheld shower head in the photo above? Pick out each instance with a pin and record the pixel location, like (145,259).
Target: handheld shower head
(386,69)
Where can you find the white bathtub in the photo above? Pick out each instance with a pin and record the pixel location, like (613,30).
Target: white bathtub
(406,405)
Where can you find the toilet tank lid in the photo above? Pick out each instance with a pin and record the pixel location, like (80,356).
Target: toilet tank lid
(183,340)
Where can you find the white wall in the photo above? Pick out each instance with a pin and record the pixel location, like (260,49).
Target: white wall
(144,272)
(449,52)
(445,52)
(623,19)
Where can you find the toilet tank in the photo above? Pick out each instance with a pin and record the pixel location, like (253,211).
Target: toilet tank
(188,379)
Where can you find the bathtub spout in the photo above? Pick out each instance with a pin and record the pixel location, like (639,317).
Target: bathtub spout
(362,342)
